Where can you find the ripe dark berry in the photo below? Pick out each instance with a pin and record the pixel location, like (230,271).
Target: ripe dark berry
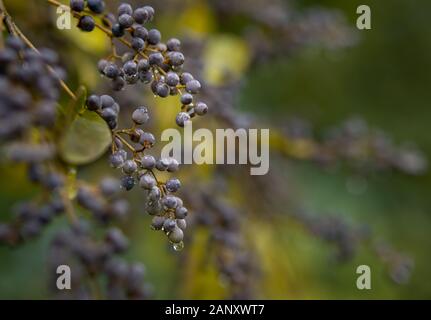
(201,108)
(77,5)
(111,71)
(169,225)
(150,12)
(173,165)
(193,86)
(140,15)
(108,114)
(147,139)
(162,164)
(155,59)
(186,77)
(143,65)
(112,124)
(182,224)
(173,185)
(138,44)
(127,182)
(180,212)
(154,194)
(162,90)
(173,44)
(157,222)
(93,103)
(125,20)
(170,202)
(172,79)
(117,30)
(186,99)
(147,181)
(97,6)
(148,162)
(140,32)
(125,8)
(182,118)
(140,115)
(154,36)
(106,101)
(176,59)
(130,68)
(86,23)
(129,167)
(154,208)
(116,160)
(176,235)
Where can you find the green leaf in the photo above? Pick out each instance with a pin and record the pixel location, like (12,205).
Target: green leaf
(85,140)
(67,114)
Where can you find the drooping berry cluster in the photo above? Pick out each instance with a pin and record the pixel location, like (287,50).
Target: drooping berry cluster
(92,259)
(139,168)
(151,61)
(31,216)
(234,260)
(28,89)
(29,220)
(104,202)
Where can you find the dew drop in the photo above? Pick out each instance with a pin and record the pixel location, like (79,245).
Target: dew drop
(178,246)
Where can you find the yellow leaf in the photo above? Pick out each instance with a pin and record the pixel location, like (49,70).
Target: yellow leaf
(198,19)
(95,42)
(225,56)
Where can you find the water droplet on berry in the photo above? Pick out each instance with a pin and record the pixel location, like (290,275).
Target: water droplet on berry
(178,246)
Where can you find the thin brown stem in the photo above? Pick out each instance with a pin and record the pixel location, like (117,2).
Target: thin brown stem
(128,145)
(5,21)
(30,45)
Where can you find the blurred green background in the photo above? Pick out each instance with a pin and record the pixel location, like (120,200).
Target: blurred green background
(384,78)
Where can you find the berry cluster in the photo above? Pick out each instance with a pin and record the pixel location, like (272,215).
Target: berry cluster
(92,260)
(150,61)
(104,202)
(139,168)
(86,22)
(279,29)
(234,260)
(30,218)
(29,88)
